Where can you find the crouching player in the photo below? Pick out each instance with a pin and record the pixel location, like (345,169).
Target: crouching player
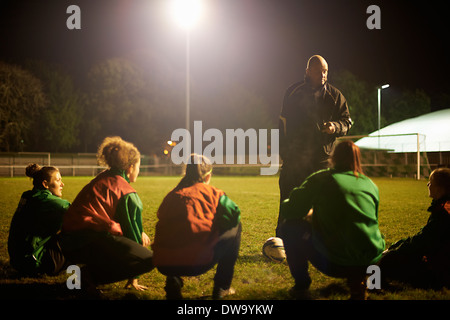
(343,238)
(198,227)
(103,227)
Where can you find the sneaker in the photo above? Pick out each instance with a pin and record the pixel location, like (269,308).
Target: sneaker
(299,293)
(219,293)
(89,290)
(358,290)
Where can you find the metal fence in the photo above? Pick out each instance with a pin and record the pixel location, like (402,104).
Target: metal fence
(376,163)
(76,164)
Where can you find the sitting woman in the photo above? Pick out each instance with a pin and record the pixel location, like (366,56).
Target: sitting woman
(103,227)
(423,260)
(198,227)
(343,237)
(33,242)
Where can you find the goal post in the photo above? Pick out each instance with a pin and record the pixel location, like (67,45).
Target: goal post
(394,145)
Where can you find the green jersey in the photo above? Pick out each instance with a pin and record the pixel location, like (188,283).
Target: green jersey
(38,218)
(345,218)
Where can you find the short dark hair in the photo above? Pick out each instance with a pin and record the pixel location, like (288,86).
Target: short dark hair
(441,177)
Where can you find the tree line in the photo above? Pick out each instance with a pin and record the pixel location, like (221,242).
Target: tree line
(43,109)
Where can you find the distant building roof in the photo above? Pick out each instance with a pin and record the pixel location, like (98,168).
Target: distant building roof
(433,129)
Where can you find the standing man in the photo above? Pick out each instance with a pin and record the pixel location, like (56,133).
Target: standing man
(314,113)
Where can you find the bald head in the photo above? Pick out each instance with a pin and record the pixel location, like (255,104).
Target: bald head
(317,71)
(316,60)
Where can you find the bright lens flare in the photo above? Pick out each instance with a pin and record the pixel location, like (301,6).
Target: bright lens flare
(186,12)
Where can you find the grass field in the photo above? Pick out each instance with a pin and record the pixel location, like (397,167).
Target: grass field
(402,213)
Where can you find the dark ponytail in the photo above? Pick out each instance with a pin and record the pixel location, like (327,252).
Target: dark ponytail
(196,170)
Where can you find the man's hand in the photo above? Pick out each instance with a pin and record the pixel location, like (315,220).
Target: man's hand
(329,128)
(309,215)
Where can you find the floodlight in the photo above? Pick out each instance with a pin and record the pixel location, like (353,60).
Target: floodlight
(187,12)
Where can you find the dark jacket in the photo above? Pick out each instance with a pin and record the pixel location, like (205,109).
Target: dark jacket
(38,218)
(302,116)
(433,237)
(424,258)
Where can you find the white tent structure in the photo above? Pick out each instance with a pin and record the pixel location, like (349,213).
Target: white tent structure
(426,133)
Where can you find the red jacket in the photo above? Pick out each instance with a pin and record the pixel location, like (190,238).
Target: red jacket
(184,234)
(95,206)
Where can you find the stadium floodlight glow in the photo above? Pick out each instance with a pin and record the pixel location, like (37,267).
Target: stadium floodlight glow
(187,12)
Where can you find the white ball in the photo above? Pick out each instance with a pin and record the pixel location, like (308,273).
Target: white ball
(273,249)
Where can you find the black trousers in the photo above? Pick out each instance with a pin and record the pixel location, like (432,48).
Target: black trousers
(226,253)
(54,260)
(292,176)
(297,239)
(109,259)
(416,269)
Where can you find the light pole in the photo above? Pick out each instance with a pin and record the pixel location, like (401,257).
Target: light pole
(379,109)
(188,81)
(186,13)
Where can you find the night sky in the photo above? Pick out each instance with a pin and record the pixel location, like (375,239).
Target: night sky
(262,43)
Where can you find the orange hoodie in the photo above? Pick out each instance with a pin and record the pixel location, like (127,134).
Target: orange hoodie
(187,230)
(94,207)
